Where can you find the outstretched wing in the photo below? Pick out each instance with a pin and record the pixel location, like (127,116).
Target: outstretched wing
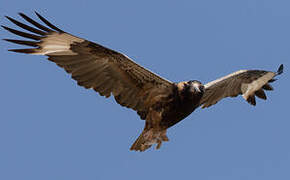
(249,83)
(90,64)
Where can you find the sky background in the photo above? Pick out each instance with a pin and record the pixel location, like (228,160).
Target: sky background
(50,128)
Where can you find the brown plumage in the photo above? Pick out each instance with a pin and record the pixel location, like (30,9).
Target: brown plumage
(158,101)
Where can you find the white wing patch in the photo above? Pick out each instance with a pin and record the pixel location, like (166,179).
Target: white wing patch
(238,83)
(251,88)
(57,44)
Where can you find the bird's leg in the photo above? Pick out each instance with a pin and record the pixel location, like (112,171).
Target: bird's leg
(159,143)
(164,136)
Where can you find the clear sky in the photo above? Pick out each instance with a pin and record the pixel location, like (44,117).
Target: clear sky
(52,129)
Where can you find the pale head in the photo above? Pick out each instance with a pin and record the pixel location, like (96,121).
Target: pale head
(196,86)
(193,87)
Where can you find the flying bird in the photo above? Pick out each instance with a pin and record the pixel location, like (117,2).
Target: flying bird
(160,102)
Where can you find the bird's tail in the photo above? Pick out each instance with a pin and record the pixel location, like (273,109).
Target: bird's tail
(147,138)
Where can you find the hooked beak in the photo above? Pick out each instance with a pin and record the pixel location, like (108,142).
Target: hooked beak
(198,87)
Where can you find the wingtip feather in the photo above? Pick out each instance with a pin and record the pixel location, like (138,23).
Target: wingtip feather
(280,69)
(25,51)
(10,18)
(252,100)
(5,27)
(22,42)
(48,23)
(37,13)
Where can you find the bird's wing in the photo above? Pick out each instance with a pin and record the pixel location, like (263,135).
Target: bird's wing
(249,83)
(90,64)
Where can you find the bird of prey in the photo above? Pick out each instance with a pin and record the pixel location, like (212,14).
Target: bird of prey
(160,102)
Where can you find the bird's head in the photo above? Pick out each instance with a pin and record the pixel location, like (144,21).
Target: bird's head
(190,87)
(196,86)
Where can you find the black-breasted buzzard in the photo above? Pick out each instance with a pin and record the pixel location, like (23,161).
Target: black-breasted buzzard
(159,102)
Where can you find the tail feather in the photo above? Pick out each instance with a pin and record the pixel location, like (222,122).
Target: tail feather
(147,138)
(139,144)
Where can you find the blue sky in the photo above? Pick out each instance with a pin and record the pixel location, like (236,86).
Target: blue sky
(52,129)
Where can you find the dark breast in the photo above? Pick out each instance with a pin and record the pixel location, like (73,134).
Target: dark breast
(179,106)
